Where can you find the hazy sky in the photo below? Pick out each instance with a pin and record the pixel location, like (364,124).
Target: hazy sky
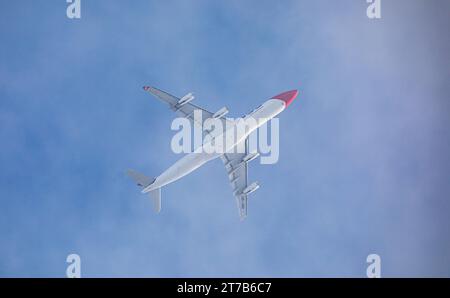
(364,150)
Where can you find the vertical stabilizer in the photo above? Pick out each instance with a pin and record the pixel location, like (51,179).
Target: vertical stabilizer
(144,181)
(155,195)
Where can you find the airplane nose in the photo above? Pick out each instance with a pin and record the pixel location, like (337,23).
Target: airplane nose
(287,96)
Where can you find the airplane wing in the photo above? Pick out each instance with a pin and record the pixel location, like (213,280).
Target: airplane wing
(236,166)
(185,109)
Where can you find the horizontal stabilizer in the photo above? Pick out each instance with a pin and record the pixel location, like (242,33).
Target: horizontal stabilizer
(144,181)
(140,179)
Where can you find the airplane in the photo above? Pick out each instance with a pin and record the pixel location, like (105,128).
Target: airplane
(236,164)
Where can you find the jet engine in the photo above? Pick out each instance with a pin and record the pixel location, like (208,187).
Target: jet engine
(249,157)
(185,99)
(251,188)
(220,113)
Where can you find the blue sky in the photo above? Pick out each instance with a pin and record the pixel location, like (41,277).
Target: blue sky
(364,151)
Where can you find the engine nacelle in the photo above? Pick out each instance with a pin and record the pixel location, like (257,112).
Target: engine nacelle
(251,188)
(220,113)
(185,99)
(249,157)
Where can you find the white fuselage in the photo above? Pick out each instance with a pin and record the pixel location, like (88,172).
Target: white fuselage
(199,157)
